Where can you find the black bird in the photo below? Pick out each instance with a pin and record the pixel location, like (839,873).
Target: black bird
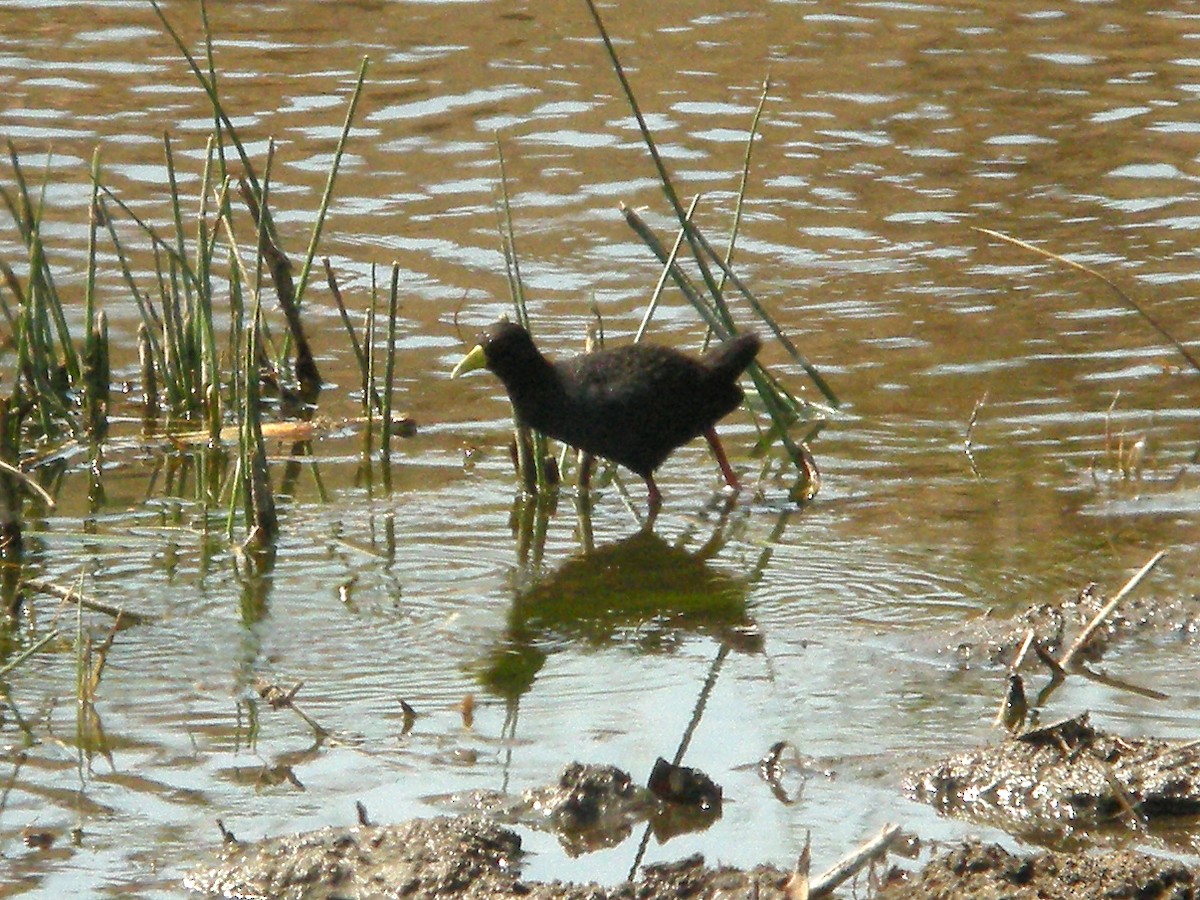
(632,405)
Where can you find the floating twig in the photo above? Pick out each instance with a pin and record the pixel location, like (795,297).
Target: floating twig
(277,698)
(968,446)
(71,595)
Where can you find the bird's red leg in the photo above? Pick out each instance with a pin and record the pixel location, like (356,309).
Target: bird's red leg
(655,497)
(585,471)
(710,435)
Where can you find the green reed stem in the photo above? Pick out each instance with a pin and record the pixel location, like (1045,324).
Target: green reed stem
(745,179)
(208,83)
(508,243)
(89,287)
(327,195)
(669,266)
(389,367)
(41,278)
(206,334)
(767,319)
(369,347)
(539,482)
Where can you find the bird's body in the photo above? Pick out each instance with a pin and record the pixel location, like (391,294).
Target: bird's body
(632,405)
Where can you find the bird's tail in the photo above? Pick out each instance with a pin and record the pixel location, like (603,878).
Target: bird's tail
(728,360)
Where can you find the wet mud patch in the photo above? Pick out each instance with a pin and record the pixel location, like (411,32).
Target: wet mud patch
(465,858)
(473,856)
(469,858)
(1053,781)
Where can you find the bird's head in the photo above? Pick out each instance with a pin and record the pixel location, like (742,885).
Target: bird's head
(504,348)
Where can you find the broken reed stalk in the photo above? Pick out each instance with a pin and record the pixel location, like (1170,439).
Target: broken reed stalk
(369,345)
(148,374)
(1084,636)
(370,395)
(264,523)
(10,496)
(258,500)
(89,285)
(97,381)
(1121,295)
(29,482)
(280,268)
(850,865)
(206,335)
(277,698)
(968,438)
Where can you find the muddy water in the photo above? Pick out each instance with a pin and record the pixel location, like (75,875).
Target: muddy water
(889,131)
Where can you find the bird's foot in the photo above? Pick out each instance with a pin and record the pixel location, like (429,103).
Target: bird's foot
(731,479)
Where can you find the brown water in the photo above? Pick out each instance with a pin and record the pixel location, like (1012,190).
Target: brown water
(890,129)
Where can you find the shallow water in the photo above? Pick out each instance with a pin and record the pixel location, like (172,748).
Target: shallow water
(889,131)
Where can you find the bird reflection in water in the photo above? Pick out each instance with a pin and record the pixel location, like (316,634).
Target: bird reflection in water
(640,592)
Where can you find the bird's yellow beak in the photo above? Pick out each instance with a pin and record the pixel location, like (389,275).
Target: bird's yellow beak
(476,359)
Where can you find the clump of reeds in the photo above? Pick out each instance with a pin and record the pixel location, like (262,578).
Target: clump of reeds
(200,356)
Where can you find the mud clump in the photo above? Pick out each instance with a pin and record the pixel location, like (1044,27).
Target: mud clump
(974,871)
(591,807)
(447,857)
(1065,776)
